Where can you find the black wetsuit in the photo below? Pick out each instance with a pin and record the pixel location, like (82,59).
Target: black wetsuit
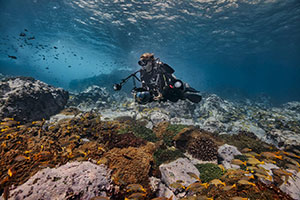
(158,78)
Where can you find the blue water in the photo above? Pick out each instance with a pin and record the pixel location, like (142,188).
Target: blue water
(229,47)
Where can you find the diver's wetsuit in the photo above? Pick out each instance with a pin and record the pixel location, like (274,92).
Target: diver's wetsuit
(159,83)
(157,78)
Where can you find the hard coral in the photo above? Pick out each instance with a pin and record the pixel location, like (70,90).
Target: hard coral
(203,148)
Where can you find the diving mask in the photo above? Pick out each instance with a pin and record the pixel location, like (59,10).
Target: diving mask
(143,62)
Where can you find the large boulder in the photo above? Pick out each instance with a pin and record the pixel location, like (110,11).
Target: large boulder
(292,187)
(178,170)
(26,99)
(75,180)
(227,152)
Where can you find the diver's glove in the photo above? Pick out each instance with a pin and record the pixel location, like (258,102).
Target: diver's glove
(158,97)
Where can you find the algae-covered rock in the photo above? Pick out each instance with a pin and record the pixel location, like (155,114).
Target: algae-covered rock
(177,170)
(246,140)
(75,180)
(227,153)
(157,117)
(293,186)
(209,171)
(26,99)
(167,155)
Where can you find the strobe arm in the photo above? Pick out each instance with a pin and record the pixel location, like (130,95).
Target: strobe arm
(118,86)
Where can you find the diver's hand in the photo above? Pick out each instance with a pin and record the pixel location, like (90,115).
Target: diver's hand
(158,97)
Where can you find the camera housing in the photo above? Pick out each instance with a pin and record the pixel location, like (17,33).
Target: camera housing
(117,87)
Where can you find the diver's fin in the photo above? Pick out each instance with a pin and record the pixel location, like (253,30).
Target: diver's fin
(195,98)
(190,89)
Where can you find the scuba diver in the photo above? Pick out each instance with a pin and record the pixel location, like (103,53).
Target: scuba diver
(158,83)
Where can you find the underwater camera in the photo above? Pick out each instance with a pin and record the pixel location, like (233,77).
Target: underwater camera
(117,87)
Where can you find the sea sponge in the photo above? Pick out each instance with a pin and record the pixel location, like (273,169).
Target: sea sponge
(203,148)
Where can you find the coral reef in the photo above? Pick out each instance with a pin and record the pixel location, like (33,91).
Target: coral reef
(143,146)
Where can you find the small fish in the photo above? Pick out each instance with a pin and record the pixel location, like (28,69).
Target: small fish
(296,151)
(254,154)
(55,47)
(177,185)
(22,34)
(262,171)
(249,155)
(163,198)
(248,177)
(291,154)
(222,167)
(9,123)
(193,175)
(238,162)
(254,161)
(270,155)
(31,38)
(217,182)
(229,187)
(245,182)
(251,168)
(268,177)
(281,172)
(21,158)
(135,188)
(245,150)
(4,129)
(238,198)
(100,198)
(8,119)
(269,161)
(137,196)
(196,187)
(293,167)
(290,160)
(10,173)
(12,57)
